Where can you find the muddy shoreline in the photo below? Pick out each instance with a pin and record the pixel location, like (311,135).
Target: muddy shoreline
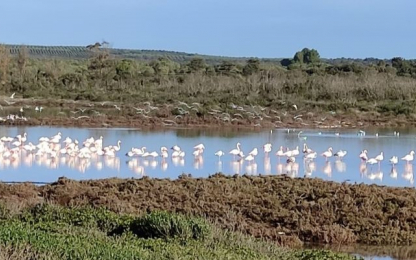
(70,113)
(278,208)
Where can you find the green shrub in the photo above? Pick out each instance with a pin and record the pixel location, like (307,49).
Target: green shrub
(167,225)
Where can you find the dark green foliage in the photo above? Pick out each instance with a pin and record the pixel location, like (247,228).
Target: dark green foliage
(170,226)
(307,56)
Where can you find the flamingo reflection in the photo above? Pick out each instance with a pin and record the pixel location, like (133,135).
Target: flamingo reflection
(327,169)
(408,173)
(393,172)
(267,166)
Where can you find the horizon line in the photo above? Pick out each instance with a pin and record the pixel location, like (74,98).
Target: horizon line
(199,54)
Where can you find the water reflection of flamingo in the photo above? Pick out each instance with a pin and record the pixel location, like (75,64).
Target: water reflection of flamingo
(178,161)
(251,168)
(198,162)
(219,166)
(327,169)
(408,173)
(393,172)
(267,165)
(292,169)
(279,168)
(310,167)
(340,166)
(376,175)
(163,165)
(135,167)
(236,166)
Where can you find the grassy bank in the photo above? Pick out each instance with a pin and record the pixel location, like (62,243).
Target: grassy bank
(52,232)
(276,208)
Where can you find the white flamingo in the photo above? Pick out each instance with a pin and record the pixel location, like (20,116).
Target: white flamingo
(291,159)
(197,153)
(327,154)
(311,156)
(363,155)
(254,152)
(380,157)
(199,147)
(6,139)
(372,161)
(153,154)
(306,149)
(219,154)
(394,160)
(340,154)
(409,157)
(249,158)
(280,152)
(164,153)
(267,148)
(236,151)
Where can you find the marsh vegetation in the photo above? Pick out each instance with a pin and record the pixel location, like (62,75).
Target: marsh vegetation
(379,86)
(47,231)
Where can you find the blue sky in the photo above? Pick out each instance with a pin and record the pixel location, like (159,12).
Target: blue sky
(261,28)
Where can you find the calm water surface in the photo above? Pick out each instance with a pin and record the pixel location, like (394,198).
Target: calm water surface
(44,169)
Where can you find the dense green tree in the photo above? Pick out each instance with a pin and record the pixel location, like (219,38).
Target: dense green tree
(298,58)
(311,56)
(307,56)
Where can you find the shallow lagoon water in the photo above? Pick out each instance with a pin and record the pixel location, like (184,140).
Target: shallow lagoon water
(29,167)
(44,169)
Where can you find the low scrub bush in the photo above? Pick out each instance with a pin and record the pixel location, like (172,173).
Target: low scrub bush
(167,225)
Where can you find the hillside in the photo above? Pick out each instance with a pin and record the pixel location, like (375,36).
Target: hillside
(82,52)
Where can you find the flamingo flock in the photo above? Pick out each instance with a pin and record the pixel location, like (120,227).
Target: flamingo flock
(52,151)
(91,151)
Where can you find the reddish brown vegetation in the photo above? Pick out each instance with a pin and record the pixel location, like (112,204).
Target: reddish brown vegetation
(311,210)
